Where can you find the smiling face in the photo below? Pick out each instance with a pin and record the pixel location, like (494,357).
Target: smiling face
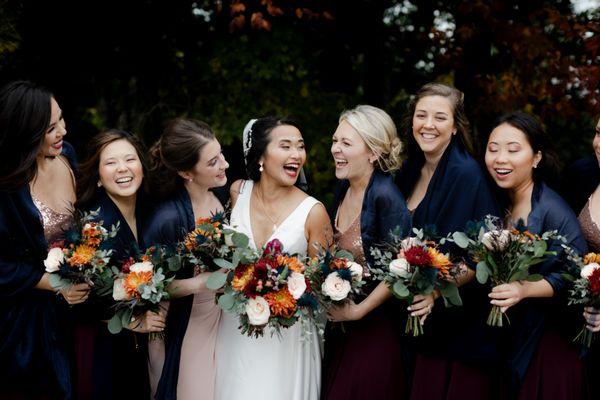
(53,141)
(285,155)
(509,157)
(596,142)
(209,171)
(120,169)
(350,153)
(433,125)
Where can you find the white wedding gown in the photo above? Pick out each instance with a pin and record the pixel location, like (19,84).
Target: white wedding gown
(268,367)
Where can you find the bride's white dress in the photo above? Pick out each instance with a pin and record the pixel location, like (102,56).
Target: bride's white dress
(268,367)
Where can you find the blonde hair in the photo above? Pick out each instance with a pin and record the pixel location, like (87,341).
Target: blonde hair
(379,132)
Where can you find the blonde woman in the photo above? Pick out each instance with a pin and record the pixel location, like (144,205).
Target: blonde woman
(363,360)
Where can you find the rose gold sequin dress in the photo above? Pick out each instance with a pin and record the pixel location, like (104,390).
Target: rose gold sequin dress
(589,227)
(55,223)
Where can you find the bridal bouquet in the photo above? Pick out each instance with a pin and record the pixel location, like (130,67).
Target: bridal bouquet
(586,290)
(334,276)
(503,255)
(83,255)
(414,266)
(271,290)
(139,286)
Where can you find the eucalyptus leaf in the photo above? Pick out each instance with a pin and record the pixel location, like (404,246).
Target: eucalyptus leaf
(482,272)
(535,277)
(57,282)
(400,290)
(344,254)
(216,280)
(240,240)
(460,239)
(519,276)
(222,263)
(451,293)
(226,302)
(114,324)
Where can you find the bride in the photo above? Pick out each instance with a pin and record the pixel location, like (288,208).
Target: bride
(266,207)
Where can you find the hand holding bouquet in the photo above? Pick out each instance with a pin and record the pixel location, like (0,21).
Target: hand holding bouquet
(586,290)
(83,256)
(414,266)
(268,291)
(503,256)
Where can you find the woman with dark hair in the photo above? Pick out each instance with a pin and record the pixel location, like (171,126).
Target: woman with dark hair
(186,165)
(37,191)
(445,188)
(114,366)
(368,206)
(267,207)
(543,364)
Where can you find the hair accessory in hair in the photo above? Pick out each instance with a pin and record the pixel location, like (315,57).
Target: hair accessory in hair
(247,137)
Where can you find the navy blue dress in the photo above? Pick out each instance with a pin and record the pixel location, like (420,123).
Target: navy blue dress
(543,363)
(364,359)
(167,225)
(34,359)
(111,366)
(454,354)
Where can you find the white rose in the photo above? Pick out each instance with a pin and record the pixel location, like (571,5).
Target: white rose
(296,284)
(145,266)
(258,311)
(496,240)
(589,269)
(356,270)
(400,267)
(54,259)
(119,292)
(335,287)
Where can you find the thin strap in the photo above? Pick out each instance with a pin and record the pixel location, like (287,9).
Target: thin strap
(64,161)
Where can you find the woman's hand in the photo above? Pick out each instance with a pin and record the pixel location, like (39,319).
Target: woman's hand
(592,317)
(507,295)
(76,294)
(350,311)
(422,306)
(149,322)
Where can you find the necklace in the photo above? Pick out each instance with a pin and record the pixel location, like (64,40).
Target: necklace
(267,214)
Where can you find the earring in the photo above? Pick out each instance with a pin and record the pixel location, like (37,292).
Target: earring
(534,166)
(99,184)
(261,169)
(191,180)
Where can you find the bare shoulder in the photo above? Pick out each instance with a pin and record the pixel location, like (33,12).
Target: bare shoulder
(234,191)
(317,217)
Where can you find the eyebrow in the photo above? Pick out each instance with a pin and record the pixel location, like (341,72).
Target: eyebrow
(290,140)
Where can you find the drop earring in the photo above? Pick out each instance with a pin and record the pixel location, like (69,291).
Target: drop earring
(260,167)
(99,184)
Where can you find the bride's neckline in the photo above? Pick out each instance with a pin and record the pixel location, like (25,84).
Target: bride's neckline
(276,229)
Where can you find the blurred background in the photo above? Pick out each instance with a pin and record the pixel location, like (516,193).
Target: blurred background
(134,64)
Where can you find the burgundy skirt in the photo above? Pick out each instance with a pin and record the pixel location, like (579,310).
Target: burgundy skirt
(555,372)
(363,359)
(438,378)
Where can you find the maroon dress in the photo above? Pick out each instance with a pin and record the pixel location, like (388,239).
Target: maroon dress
(591,232)
(362,358)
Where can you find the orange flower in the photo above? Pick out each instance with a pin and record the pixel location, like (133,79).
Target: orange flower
(134,280)
(338,263)
(243,278)
(82,255)
(439,260)
(591,258)
(292,262)
(282,303)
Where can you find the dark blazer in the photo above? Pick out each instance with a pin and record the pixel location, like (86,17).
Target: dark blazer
(531,317)
(33,356)
(457,194)
(167,225)
(383,210)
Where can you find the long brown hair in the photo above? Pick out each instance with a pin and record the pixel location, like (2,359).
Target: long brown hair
(177,150)
(25,110)
(88,174)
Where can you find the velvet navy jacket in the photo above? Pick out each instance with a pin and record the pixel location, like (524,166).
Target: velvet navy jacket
(33,352)
(532,317)
(458,193)
(168,224)
(118,360)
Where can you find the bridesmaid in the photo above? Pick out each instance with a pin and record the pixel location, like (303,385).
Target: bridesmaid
(445,188)
(364,360)
(37,191)
(187,164)
(589,218)
(543,364)
(115,366)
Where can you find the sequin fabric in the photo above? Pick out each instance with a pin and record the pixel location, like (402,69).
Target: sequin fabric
(590,229)
(350,240)
(55,223)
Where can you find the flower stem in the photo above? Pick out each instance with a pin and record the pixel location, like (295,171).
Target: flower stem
(414,326)
(495,317)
